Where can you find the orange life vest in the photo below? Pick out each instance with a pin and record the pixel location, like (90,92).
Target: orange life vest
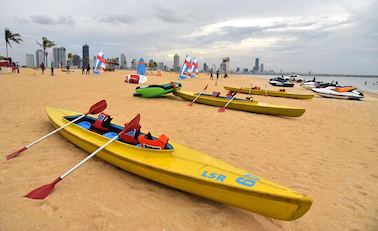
(102,123)
(159,143)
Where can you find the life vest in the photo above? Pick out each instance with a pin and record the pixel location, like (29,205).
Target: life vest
(147,141)
(102,123)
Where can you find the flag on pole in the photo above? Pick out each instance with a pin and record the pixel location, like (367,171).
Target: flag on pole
(99,63)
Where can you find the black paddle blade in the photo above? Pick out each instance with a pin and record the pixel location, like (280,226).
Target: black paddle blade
(98,107)
(43,191)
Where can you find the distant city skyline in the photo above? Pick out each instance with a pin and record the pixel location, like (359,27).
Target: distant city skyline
(328,37)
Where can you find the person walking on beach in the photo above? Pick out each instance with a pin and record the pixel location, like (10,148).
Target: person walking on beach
(18,68)
(82,69)
(42,66)
(217,74)
(52,69)
(68,69)
(88,72)
(13,67)
(211,74)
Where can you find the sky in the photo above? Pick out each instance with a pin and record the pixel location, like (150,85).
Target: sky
(320,36)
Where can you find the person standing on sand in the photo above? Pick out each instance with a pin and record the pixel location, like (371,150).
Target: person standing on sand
(52,69)
(217,74)
(82,70)
(88,72)
(18,68)
(211,74)
(42,66)
(68,69)
(13,67)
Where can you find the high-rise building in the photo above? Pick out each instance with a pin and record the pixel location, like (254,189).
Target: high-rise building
(76,61)
(205,67)
(176,62)
(29,60)
(225,65)
(161,66)
(59,57)
(85,55)
(262,68)
(123,64)
(39,57)
(257,65)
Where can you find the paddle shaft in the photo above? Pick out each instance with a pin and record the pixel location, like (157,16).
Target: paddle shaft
(88,157)
(230,100)
(199,95)
(44,137)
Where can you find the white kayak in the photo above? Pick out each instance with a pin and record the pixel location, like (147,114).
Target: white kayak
(339,92)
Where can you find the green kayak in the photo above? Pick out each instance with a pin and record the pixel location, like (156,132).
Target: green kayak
(151,91)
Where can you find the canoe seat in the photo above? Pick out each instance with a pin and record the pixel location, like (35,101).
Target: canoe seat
(216,93)
(110,134)
(84,124)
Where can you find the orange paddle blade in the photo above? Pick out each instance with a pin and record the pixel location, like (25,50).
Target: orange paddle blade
(98,107)
(43,191)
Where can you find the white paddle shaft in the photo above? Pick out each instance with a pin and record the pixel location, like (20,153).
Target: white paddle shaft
(44,137)
(230,100)
(88,157)
(199,94)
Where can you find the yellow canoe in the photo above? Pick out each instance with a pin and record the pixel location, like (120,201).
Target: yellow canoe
(270,93)
(242,104)
(190,171)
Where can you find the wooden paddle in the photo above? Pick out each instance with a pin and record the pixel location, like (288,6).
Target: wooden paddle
(95,109)
(191,103)
(222,109)
(43,191)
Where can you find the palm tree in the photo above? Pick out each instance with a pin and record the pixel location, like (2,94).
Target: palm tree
(44,45)
(11,37)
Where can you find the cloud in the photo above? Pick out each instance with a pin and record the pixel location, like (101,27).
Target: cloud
(118,19)
(170,16)
(47,20)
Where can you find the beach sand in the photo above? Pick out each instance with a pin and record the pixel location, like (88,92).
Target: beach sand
(329,153)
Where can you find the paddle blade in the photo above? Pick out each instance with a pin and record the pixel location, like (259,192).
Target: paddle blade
(15,153)
(43,191)
(131,125)
(98,107)
(222,109)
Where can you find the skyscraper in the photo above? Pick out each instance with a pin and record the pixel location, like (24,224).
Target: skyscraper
(176,62)
(59,57)
(257,65)
(39,57)
(262,68)
(123,64)
(161,66)
(85,55)
(29,60)
(76,61)
(205,67)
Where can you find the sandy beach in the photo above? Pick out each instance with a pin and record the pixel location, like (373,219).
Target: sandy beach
(329,153)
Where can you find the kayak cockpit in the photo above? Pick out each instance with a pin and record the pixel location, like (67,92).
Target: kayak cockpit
(149,141)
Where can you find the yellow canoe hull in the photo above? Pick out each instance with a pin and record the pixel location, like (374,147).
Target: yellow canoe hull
(242,105)
(190,171)
(270,93)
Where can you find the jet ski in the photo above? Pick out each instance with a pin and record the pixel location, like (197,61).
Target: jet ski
(348,92)
(280,82)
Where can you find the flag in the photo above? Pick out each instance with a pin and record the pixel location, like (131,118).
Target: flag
(99,63)
(187,68)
